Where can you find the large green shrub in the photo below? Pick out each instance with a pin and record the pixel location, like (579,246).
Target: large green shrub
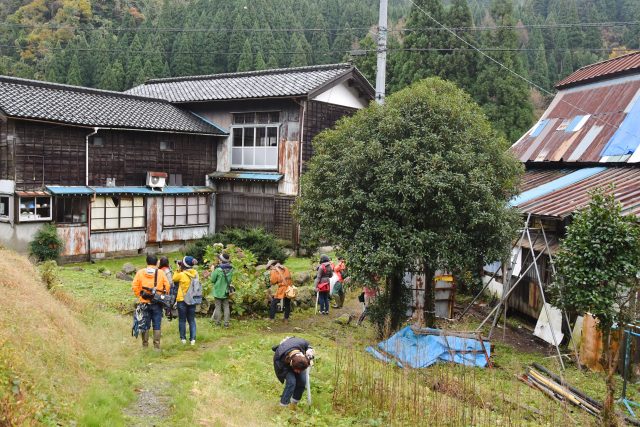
(262,244)
(46,245)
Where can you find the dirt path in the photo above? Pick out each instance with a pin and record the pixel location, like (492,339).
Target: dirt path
(152,406)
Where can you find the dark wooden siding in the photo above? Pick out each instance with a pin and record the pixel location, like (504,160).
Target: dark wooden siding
(318,117)
(48,154)
(127,156)
(273,213)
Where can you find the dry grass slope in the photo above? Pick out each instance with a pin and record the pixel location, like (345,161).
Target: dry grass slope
(45,353)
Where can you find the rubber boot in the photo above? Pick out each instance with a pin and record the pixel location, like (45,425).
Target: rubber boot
(156,339)
(145,339)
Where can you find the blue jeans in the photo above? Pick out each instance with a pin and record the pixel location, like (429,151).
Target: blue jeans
(186,313)
(154,312)
(323,301)
(293,387)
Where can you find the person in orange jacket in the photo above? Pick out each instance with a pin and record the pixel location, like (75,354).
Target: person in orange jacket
(279,275)
(147,281)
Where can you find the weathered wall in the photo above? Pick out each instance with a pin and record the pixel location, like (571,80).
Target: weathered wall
(50,154)
(18,236)
(221,113)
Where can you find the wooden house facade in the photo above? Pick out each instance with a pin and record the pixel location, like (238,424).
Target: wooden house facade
(271,118)
(81,158)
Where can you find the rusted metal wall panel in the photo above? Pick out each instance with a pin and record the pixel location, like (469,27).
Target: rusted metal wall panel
(154,219)
(74,238)
(288,161)
(536,178)
(120,241)
(183,233)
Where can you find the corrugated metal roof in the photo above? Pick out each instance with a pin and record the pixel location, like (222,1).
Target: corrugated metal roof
(566,199)
(247,176)
(581,124)
(537,177)
(58,190)
(283,82)
(556,184)
(602,70)
(32,99)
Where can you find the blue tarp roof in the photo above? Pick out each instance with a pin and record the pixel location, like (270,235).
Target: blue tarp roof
(58,190)
(626,139)
(248,176)
(429,346)
(556,184)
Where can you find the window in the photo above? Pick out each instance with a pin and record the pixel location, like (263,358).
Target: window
(186,210)
(4,207)
(117,213)
(255,140)
(167,145)
(35,208)
(97,141)
(71,210)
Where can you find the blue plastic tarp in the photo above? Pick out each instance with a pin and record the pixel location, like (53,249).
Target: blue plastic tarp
(422,350)
(626,139)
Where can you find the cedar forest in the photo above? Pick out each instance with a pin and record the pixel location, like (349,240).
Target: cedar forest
(118,44)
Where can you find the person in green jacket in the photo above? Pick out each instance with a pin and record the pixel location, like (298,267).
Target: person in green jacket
(221,279)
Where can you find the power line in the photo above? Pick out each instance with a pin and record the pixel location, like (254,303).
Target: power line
(328,30)
(515,73)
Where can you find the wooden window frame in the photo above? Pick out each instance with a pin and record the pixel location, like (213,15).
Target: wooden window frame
(64,201)
(22,202)
(133,217)
(8,198)
(201,209)
(240,123)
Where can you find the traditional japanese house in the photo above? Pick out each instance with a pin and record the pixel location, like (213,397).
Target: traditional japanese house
(271,117)
(588,138)
(116,173)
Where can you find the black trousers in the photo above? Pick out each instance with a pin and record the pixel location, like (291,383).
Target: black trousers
(274,306)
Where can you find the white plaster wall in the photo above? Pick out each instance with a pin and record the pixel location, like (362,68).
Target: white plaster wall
(342,94)
(18,236)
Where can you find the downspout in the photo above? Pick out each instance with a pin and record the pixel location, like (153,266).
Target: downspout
(86,182)
(304,110)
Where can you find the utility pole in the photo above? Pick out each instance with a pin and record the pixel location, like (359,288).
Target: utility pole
(381,71)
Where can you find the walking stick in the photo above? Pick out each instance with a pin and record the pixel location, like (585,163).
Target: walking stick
(308,386)
(317,298)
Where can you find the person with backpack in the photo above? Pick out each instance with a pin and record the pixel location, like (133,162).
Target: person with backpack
(164,266)
(145,284)
(188,286)
(281,276)
(291,358)
(221,279)
(322,283)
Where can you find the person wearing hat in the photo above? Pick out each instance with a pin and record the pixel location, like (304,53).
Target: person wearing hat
(221,279)
(281,276)
(147,281)
(186,312)
(322,283)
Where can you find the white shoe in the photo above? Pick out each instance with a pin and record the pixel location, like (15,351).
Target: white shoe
(193,342)
(183,341)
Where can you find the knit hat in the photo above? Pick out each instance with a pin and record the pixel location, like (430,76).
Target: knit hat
(271,263)
(224,257)
(324,258)
(189,261)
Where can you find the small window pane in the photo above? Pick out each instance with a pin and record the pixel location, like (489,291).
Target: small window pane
(138,201)
(272,135)
(97,224)
(181,220)
(274,117)
(262,117)
(203,219)
(4,207)
(261,137)
(169,220)
(112,223)
(138,222)
(138,211)
(126,222)
(237,137)
(248,137)
(236,156)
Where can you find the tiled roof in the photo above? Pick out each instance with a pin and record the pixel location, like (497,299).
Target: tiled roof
(283,82)
(602,70)
(31,99)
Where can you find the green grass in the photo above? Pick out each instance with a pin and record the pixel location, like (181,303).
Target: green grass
(299,264)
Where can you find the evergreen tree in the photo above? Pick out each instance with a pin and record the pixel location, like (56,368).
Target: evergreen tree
(113,78)
(299,57)
(57,66)
(260,64)
(74,76)
(245,62)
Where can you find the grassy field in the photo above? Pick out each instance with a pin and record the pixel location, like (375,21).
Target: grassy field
(86,369)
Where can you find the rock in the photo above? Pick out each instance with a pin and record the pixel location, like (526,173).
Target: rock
(302,277)
(297,329)
(122,276)
(105,273)
(128,268)
(344,319)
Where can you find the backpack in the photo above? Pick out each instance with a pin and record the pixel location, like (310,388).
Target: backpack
(194,293)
